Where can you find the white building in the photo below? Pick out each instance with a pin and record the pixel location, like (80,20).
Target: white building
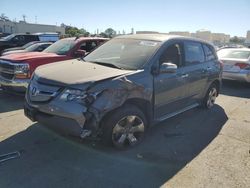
(147,32)
(204,34)
(181,33)
(23,27)
(220,38)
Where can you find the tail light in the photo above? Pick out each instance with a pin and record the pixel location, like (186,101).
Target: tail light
(243,65)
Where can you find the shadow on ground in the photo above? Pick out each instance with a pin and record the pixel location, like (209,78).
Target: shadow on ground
(236,89)
(50,160)
(10,102)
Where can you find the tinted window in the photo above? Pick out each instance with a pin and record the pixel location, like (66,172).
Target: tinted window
(209,53)
(172,55)
(29,38)
(88,46)
(194,53)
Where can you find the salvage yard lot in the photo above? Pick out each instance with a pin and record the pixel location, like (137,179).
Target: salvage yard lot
(198,148)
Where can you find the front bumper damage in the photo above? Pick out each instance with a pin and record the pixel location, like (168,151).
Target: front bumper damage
(80,119)
(65,117)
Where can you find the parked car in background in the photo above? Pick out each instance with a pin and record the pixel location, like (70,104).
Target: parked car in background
(20,47)
(124,86)
(16,69)
(17,40)
(36,47)
(236,63)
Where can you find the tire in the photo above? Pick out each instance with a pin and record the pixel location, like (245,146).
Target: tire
(124,128)
(209,100)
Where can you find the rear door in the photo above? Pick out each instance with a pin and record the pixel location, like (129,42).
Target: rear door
(196,76)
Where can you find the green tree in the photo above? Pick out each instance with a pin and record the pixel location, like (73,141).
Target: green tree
(3,17)
(110,32)
(104,35)
(237,40)
(74,31)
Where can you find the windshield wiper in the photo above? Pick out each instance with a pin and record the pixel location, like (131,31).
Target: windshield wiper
(106,64)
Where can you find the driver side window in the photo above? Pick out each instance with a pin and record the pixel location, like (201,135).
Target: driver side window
(172,55)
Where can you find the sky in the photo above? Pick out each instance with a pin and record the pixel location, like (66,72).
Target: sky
(219,16)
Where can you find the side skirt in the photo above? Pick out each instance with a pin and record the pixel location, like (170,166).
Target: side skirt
(167,116)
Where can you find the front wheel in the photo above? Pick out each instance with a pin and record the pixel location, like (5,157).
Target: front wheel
(125,127)
(210,97)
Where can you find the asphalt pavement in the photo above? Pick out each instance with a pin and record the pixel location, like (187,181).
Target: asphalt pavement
(199,148)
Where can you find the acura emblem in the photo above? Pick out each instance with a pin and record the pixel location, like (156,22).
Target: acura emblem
(33,91)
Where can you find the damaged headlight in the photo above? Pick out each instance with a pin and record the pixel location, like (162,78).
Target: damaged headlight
(78,96)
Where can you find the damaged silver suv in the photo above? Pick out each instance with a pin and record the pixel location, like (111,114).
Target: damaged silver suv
(126,85)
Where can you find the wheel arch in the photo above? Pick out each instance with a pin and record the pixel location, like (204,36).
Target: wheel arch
(144,105)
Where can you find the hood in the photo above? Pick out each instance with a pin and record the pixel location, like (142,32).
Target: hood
(13,52)
(29,56)
(74,72)
(15,48)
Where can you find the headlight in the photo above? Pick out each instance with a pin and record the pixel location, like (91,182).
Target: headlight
(78,96)
(73,95)
(22,68)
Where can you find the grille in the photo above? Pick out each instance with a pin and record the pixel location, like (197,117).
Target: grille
(40,92)
(6,70)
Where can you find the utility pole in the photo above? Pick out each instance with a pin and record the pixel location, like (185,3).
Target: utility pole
(24,17)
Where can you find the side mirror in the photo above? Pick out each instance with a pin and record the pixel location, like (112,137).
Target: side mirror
(168,68)
(80,53)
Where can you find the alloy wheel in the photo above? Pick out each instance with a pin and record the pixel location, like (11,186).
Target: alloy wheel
(211,97)
(128,131)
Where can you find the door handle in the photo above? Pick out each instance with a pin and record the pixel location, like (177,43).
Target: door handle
(184,75)
(209,68)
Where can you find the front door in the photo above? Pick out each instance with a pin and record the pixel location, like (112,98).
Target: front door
(170,88)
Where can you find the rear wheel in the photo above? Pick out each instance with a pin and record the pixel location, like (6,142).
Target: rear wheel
(210,97)
(125,127)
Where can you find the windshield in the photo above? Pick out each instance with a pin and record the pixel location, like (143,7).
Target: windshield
(9,37)
(28,44)
(32,48)
(60,47)
(124,53)
(236,54)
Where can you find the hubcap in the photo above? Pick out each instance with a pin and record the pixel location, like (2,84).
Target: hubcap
(211,97)
(128,131)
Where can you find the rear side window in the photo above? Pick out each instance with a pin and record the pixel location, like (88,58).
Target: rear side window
(209,53)
(88,46)
(193,53)
(29,38)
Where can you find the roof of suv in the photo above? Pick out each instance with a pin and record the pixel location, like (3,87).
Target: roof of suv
(158,37)
(84,38)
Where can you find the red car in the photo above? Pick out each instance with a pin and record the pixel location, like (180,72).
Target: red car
(16,69)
